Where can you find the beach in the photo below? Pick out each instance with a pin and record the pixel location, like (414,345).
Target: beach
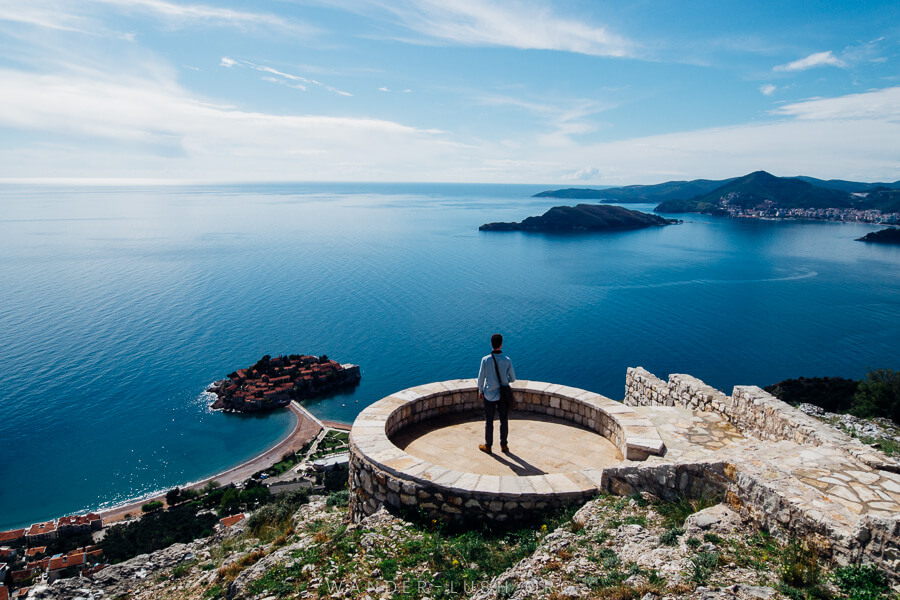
(305,430)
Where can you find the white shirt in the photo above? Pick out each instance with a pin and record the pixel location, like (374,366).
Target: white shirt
(487,375)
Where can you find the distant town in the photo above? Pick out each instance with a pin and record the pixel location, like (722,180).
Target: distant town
(26,559)
(40,554)
(850,215)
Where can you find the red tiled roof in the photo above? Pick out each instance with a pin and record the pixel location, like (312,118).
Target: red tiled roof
(75,520)
(229,521)
(4,592)
(74,561)
(57,562)
(39,528)
(12,535)
(23,574)
(7,552)
(35,551)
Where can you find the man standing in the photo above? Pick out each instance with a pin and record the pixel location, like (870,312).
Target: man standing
(496,370)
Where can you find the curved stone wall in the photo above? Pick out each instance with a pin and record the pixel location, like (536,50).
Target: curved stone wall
(381,474)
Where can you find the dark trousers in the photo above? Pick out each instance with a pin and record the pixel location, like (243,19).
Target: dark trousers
(489,409)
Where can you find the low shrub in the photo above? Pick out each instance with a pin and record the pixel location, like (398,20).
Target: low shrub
(861,582)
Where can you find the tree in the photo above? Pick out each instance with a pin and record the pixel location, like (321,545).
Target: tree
(878,395)
(172,496)
(230,502)
(151,506)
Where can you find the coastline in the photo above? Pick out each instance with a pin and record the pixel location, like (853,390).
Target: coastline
(306,428)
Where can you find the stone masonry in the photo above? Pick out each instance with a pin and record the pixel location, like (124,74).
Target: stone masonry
(780,468)
(381,474)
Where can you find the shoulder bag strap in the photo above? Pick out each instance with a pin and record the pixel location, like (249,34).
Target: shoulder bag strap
(497,370)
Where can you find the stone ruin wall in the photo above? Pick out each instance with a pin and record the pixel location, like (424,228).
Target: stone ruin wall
(755,412)
(749,409)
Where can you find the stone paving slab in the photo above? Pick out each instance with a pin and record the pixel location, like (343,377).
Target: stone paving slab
(539,444)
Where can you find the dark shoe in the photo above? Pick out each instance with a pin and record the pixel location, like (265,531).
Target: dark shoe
(504,448)
(485,448)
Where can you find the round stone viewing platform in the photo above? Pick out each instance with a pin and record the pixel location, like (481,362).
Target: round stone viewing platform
(417,449)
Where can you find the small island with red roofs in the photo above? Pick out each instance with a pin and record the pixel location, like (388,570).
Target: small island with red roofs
(273,382)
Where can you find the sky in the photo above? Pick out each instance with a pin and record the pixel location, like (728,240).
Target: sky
(533,91)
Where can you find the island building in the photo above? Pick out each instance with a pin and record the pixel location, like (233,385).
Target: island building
(275,382)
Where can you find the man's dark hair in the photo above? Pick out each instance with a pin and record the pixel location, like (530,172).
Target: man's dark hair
(496,341)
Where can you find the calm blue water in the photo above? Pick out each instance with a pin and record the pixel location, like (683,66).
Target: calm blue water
(118,306)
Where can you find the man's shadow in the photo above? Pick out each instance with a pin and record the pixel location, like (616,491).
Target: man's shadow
(517,464)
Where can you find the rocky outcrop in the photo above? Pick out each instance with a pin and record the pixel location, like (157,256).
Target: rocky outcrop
(583,218)
(891,235)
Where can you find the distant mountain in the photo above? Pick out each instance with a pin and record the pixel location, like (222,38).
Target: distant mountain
(762,190)
(634,194)
(891,235)
(883,199)
(702,195)
(848,186)
(583,218)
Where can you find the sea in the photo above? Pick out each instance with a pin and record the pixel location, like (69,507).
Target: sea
(120,305)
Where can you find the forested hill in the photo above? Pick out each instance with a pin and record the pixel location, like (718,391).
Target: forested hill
(761,189)
(755,189)
(635,194)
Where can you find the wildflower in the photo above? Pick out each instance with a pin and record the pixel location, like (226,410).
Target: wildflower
(543,528)
(455,562)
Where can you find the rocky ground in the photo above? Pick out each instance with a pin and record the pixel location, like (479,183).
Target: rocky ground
(880,433)
(613,547)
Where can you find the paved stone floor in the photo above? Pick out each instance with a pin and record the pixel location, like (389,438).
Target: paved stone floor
(822,480)
(538,444)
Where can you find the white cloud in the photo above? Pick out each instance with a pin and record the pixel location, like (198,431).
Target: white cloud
(767,89)
(200,13)
(98,124)
(584,174)
(80,17)
(819,59)
(145,127)
(877,105)
(524,24)
(46,14)
(300,82)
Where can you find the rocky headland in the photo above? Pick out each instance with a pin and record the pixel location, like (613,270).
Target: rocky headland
(274,382)
(891,235)
(583,218)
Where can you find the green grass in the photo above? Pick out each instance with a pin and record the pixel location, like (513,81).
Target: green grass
(889,446)
(702,566)
(712,538)
(675,512)
(861,582)
(182,569)
(435,554)
(670,536)
(334,442)
(635,520)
